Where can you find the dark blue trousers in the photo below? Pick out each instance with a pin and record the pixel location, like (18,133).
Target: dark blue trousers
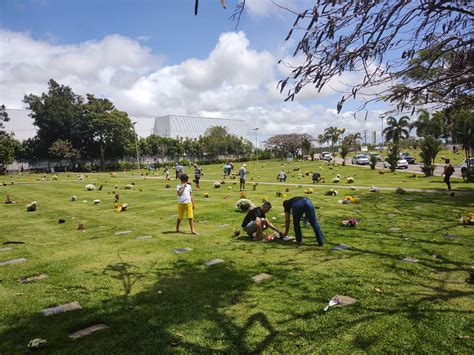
(306,207)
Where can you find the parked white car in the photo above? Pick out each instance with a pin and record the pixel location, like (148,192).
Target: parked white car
(401,164)
(325,156)
(360,159)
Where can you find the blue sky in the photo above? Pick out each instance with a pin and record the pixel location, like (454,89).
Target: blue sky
(154,57)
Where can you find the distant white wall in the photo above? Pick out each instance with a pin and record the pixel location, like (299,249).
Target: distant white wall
(193,126)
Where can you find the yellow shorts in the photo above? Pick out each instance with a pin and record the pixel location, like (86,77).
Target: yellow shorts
(185,207)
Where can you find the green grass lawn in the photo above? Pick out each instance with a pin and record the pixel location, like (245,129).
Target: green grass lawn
(155,301)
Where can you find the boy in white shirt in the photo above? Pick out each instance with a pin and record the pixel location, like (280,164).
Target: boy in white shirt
(185,202)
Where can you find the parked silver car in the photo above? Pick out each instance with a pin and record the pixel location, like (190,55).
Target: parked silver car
(401,164)
(360,159)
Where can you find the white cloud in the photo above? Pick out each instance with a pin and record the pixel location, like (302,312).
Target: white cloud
(234,80)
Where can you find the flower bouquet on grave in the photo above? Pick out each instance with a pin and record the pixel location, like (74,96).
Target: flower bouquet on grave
(373,189)
(244,205)
(308,191)
(331,192)
(121,207)
(217,184)
(467,219)
(350,179)
(351,199)
(279,194)
(242,194)
(254,186)
(351,222)
(206,195)
(90,187)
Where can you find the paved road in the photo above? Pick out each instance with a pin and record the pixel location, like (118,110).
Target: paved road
(413,168)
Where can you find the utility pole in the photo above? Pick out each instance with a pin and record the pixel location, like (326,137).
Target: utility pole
(256,142)
(365,137)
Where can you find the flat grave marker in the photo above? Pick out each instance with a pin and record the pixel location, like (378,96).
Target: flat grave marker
(122,232)
(87,331)
(260,277)
(451,236)
(214,262)
(5,249)
(38,277)
(13,261)
(342,247)
(181,250)
(409,259)
(144,237)
(61,308)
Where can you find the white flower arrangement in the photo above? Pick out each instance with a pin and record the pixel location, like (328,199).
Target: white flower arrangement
(90,187)
(244,205)
(32,206)
(73,198)
(96,202)
(331,192)
(350,179)
(217,184)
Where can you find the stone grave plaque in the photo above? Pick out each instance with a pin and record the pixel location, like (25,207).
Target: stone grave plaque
(451,236)
(5,249)
(62,308)
(409,260)
(122,232)
(214,262)
(13,261)
(38,277)
(86,331)
(342,247)
(144,237)
(260,277)
(181,250)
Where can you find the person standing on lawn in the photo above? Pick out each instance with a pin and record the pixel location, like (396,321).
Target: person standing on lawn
(255,221)
(243,176)
(185,202)
(448,171)
(299,206)
(197,175)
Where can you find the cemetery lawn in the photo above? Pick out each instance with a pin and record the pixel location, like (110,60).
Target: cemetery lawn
(155,301)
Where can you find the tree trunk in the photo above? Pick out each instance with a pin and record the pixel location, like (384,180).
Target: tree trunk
(102,157)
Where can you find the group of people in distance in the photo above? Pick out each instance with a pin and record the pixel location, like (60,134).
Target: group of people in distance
(255,221)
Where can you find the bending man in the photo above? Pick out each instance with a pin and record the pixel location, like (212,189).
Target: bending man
(255,221)
(300,206)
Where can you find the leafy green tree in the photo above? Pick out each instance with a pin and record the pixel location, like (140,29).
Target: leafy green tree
(332,135)
(8,143)
(463,130)
(344,152)
(430,147)
(108,128)
(63,149)
(321,139)
(397,130)
(57,115)
(393,156)
(427,124)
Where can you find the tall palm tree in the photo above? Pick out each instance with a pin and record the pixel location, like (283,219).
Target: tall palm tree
(332,135)
(356,136)
(427,124)
(397,130)
(321,139)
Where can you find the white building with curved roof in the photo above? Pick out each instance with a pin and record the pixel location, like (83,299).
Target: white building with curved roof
(174,126)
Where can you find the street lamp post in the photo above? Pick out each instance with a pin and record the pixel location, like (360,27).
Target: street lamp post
(136,146)
(256,142)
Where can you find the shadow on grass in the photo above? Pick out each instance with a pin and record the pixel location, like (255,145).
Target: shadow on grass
(164,317)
